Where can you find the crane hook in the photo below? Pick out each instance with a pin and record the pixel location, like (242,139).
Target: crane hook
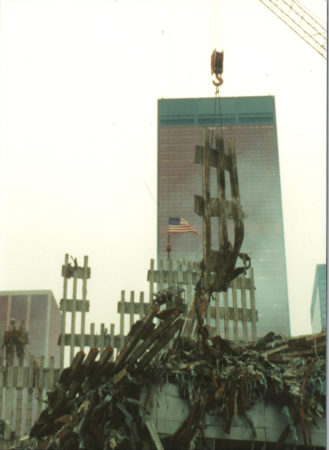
(216,64)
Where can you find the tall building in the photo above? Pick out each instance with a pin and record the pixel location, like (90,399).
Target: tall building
(251,123)
(319,299)
(42,318)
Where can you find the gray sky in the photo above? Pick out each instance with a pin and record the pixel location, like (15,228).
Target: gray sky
(80,81)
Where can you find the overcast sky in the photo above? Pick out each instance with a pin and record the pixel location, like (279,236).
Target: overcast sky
(80,81)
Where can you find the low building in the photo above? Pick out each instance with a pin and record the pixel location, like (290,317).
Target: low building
(319,299)
(40,312)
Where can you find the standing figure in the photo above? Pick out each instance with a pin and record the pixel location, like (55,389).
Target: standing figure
(21,341)
(9,343)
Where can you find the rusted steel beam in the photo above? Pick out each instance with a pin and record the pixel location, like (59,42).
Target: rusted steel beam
(132,340)
(106,355)
(222,209)
(213,158)
(151,339)
(189,321)
(74,368)
(103,365)
(92,355)
(118,377)
(161,343)
(217,207)
(236,206)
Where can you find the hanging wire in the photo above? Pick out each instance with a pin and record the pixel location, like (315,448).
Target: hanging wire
(216,22)
(220,116)
(214,118)
(149,191)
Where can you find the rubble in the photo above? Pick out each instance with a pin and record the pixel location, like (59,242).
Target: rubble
(97,404)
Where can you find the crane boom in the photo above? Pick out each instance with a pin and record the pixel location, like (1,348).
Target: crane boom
(301,22)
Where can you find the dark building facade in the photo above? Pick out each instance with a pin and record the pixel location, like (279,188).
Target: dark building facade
(319,299)
(251,123)
(42,318)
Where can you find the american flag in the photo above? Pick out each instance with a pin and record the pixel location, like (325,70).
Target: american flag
(180,225)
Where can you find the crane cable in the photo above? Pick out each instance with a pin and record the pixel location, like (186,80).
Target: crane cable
(219,82)
(217,97)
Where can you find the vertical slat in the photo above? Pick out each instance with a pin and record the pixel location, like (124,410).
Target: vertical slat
(189,294)
(2,335)
(8,312)
(220,173)
(9,402)
(1,390)
(131,311)
(252,305)
(217,316)
(101,338)
(40,385)
(122,320)
(51,373)
(226,316)
(19,401)
(48,324)
(190,322)
(112,339)
(28,312)
(73,315)
(151,282)
(160,284)
(208,315)
(84,302)
(206,223)
(63,314)
(29,402)
(92,335)
(141,305)
(235,312)
(24,430)
(244,308)
(170,272)
(179,272)
(235,195)
(174,271)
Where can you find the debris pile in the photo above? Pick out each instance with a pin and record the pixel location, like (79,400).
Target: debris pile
(97,404)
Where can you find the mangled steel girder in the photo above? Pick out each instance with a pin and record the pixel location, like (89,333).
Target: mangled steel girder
(212,389)
(221,263)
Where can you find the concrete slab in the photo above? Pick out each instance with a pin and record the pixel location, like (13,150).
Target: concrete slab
(169,411)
